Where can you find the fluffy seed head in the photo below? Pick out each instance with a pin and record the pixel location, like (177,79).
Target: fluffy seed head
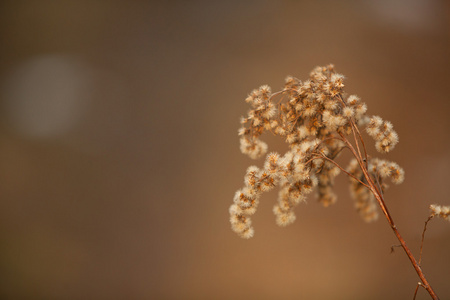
(352,100)
(360,110)
(317,120)
(376,121)
(440,211)
(348,112)
(283,218)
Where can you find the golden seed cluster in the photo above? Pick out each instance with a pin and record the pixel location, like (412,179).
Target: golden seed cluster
(313,117)
(440,211)
(365,202)
(379,169)
(381,131)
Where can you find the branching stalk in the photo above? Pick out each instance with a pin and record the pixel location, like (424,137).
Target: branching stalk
(379,197)
(316,118)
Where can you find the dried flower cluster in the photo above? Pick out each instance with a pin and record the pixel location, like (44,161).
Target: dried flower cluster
(440,211)
(379,169)
(316,119)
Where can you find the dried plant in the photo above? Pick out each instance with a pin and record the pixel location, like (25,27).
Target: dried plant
(318,121)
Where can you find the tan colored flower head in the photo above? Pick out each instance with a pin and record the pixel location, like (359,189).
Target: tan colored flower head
(317,121)
(440,211)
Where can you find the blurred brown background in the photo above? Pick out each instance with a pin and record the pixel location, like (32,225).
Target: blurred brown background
(119,154)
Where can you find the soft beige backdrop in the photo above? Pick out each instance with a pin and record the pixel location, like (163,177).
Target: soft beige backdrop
(119,154)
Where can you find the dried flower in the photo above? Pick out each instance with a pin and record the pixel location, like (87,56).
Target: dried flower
(440,211)
(318,122)
(314,119)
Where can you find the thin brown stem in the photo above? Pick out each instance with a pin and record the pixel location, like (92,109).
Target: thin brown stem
(350,146)
(360,138)
(355,129)
(379,184)
(379,197)
(355,138)
(417,288)
(326,140)
(276,94)
(423,237)
(380,200)
(321,156)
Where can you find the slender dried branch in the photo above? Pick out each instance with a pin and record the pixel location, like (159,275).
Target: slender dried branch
(423,237)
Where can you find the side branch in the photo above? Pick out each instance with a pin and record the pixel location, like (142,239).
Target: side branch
(423,237)
(408,252)
(320,156)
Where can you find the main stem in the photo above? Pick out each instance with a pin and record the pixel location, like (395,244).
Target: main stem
(379,196)
(383,206)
